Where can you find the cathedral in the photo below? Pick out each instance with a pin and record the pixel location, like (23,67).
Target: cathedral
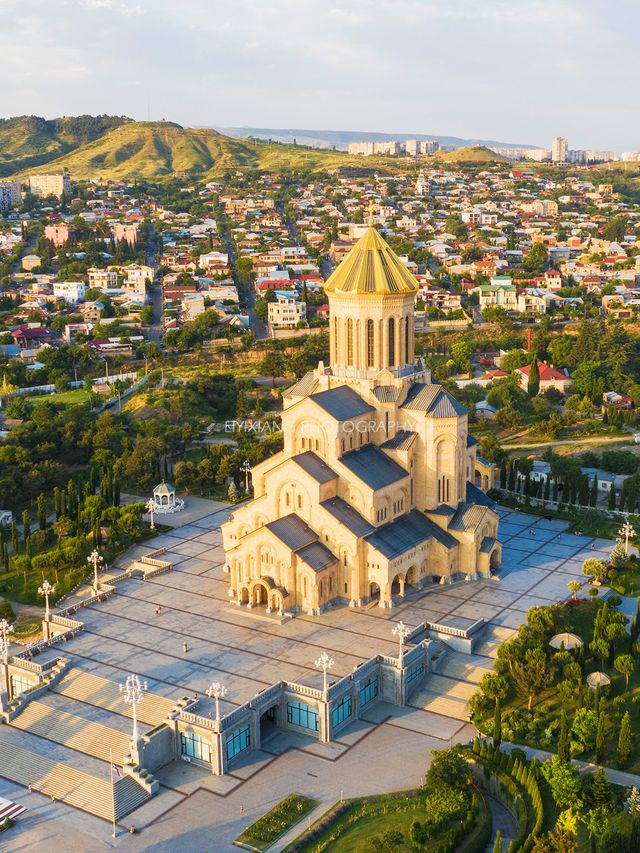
(374,492)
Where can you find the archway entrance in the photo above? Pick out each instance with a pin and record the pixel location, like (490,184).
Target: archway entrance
(494,561)
(374,591)
(397,586)
(244,595)
(260,596)
(411,578)
(436,578)
(268,724)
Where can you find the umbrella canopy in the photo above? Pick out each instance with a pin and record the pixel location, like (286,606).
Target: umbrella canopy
(595,679)
(570,641)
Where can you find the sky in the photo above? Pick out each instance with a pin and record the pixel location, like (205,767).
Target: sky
(520,71)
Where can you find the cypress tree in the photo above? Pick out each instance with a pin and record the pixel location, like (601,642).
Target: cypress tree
(593,497)
(612,497)
(625,739)
(563,738)
(555,489)
(15,546)
(497,844)
(42,513)
(547,489)
(5,556)
(600,789)
(533,383)
(116,492)
(26,526)
(600,736)
(512,477)
(584,490)
(497,724)
(56,503)
(503,474)
(27,547)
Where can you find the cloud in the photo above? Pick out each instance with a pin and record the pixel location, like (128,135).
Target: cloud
(118,6)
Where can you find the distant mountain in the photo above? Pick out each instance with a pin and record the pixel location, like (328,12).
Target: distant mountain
(29,141)
(160,149)
(340,139)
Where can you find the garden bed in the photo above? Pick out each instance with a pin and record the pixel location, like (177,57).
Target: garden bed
(271,826)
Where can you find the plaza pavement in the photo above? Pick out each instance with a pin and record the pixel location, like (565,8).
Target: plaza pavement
(247,651)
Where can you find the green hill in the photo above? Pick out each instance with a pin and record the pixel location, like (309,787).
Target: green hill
(472,154)
(157,149)
(30,141)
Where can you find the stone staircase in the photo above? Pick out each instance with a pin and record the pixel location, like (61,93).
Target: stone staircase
(95,690)
(74,732)
(492,637)
(62,781)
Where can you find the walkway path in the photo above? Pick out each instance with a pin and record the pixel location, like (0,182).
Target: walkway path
(503,820)
(618,777)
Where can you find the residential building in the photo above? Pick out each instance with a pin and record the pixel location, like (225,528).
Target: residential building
(46,185)
(559,150)
(125,231)
(557,378)
(103,279)
(71,291)
(287,310)
(12,192)
(59,233)
(501,293)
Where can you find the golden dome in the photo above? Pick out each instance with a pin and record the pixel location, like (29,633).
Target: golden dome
(371,267)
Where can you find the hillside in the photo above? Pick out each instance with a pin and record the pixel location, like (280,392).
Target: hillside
(28,141)
(157,149)
(471,154)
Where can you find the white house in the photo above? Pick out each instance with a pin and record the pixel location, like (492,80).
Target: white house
(71,291)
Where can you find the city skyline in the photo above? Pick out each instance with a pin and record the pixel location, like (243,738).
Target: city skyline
(376,67)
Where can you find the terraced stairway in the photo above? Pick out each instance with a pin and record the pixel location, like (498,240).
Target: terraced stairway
(492,638)
(68,784)
(74,732)
(86,687)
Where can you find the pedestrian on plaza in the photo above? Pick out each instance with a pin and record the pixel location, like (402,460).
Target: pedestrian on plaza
(241,808)
(185,647)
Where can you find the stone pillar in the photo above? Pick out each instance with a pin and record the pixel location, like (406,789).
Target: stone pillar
(218,764)
(325,720)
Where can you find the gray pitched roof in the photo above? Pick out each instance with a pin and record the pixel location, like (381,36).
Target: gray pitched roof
(317,556)
(386,393)
(434,401)
(487,544)
(477,496)
(303,387)
(467,517)
(293,531)
(406,532)
(315,466)
(373,466)
(341,403)
(348,516)
(402,440)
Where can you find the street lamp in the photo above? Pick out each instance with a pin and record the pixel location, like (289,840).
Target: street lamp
(95,559)
(150,507)
(46,589)
(245,468)
(401,632)
(5,630)
(626,532)
(216,691)
(133,691)
(324,662)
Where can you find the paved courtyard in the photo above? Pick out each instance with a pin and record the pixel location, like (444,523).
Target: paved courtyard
(248,651)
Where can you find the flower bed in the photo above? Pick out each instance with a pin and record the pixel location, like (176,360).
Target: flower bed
(275,823)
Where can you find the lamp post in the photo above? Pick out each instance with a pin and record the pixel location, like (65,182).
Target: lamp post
(133,691)
(626,532)
(324,662)
(150,507)
(46,589)
(401,632)
(95,559)
(5,630)
(245,468)
(217,692)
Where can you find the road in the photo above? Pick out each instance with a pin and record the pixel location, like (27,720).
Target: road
(598,439)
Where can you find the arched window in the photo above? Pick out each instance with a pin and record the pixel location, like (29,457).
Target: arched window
(406,340)
(350,342)
(392,342)
(370,345)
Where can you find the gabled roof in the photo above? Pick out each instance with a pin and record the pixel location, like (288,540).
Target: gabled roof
(373,466)
(348,516)
(402,440)
(434,401)
(546,372)
(467,517)
(371,267)
(386,393)
(293,531)
(341,403)
(406,532)
(315,467)
(317,556)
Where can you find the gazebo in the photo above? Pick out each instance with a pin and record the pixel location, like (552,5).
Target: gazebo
(165,500)
(598,679)
(569,641)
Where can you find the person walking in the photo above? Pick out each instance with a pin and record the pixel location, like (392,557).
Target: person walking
(185,647)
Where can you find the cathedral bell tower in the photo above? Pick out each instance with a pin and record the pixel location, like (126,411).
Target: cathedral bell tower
(371,305)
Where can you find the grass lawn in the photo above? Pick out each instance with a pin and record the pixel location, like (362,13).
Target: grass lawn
(271,826)
(74,397)
(354,839)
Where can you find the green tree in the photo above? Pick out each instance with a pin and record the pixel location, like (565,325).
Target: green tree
(564,782)
(497,844)
(533,383)
(625,739)
(600,735)
(531,675)
(600,793)
(497,724)
(625,665)
(564,751)
(42,514)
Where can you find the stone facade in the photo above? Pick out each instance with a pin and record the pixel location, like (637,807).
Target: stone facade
(373,489)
